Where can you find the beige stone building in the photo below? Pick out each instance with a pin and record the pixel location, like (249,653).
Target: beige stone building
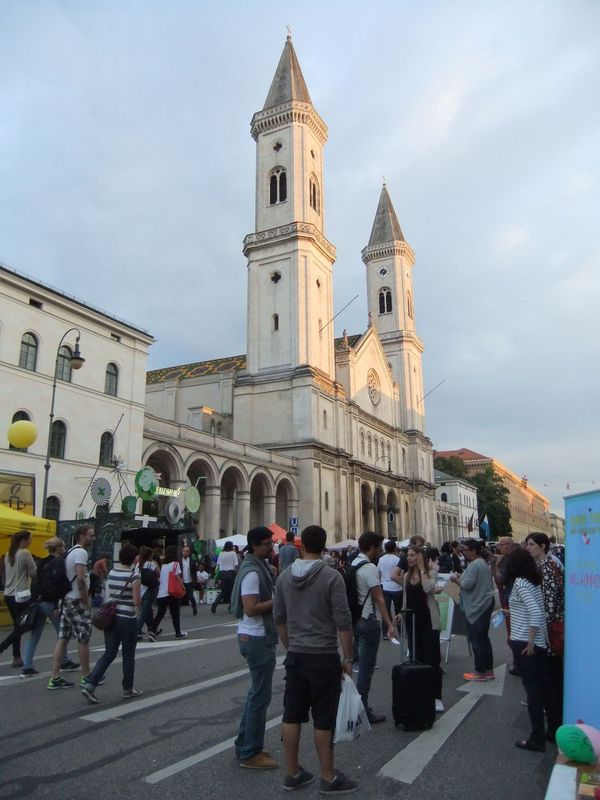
(529,509)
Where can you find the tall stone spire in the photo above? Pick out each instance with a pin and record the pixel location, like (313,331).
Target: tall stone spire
(288,83)
(386,227)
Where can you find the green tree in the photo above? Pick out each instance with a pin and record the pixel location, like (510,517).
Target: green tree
(492,499)
(452,466)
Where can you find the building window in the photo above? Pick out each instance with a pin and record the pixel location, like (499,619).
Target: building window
(53,508)
(106,449)
(362,443)
(17,417)
(369,450)
(444,497)
(314,194)
(275,322)
(409,305)
(404,472)
(58,439)
(277,186)
(63,364)
(111,380)
(325,420)
(326,501)
(28,354)
(385,300)
(376,449)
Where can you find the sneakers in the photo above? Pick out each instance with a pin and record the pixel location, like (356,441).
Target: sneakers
(474,676)
(132,692)
(88,691)
(439,707)
(489,675)
(259,761)
(339,785)
(152,637)
(83,680)
(374,718)
(59,683)
(182,635)
(69,666)
(28,672)
(303,778)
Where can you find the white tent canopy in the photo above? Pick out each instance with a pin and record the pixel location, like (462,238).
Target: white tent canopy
(237,539)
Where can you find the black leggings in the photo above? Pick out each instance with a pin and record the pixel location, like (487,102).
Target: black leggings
(173,605)
(15,610)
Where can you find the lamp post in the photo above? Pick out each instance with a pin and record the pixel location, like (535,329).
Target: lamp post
(76,362)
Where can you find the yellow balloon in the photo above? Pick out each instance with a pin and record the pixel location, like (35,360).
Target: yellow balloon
(22,434)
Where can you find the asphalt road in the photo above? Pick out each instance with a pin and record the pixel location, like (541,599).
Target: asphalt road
(176,740)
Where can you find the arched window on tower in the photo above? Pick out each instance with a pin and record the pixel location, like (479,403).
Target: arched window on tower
(111,380)
(409,305)
(369,447)
(362,443)
(63,364)
(314,193)
(277,186)
(106,449)
(385,300)
(28,352)
(58,439)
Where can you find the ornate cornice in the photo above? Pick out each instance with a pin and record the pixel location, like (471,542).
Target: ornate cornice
(387,250)
(284,232)
(403,337)
(270,119)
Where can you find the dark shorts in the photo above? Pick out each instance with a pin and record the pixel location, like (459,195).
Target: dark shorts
(312,682)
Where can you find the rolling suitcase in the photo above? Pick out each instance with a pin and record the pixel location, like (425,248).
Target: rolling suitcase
(413,692)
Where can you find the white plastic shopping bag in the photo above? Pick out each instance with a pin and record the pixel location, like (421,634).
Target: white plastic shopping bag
(351,719)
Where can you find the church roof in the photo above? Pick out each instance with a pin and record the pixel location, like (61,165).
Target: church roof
(463,452)
(288,83)
(386,227)
(217,366)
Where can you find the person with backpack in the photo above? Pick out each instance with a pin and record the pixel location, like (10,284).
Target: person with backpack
(52,585)
(371,610)
(150,581)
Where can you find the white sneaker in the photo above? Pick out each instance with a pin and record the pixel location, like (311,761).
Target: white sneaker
(439,707)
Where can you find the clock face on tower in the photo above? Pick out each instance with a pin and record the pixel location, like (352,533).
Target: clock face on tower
(373,386)
(383,271)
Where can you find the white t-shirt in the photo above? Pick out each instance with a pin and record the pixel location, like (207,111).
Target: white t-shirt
(227,560)
(163,589)
(387,564)
(251,626)
(202,577)
(185,563)
(367,578)
(77,555)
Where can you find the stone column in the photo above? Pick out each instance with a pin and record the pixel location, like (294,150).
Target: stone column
(270,509)
(212,512)
(243,512)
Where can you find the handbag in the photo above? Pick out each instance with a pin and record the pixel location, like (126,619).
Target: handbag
(27,619)
(351,720)
(175,586)
(103,616)
(557,637)
(149,578)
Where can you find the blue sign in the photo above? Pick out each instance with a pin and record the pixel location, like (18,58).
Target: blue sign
(294,530)
(293,522)
(582,608)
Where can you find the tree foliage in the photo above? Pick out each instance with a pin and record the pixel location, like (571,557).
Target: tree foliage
(492,499)
(452,466)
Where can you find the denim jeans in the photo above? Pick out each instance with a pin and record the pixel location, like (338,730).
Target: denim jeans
(146,615)
(367,633)
(260,657)
(478,634)
(541,694)
(46,610)
(122,631)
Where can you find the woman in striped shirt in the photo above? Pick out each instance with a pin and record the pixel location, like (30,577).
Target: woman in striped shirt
(124,588)
(529,643)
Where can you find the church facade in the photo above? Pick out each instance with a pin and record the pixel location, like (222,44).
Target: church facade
(330,431)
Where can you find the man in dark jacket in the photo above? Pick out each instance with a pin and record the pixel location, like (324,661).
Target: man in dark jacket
(189,568)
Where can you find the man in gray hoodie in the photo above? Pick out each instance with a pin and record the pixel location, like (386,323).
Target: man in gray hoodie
(311,611)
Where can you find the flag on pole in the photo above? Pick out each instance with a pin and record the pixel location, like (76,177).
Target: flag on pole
(484,526)
(470,524)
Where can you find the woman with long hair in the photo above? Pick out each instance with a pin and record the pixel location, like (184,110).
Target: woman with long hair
(553,592)
(419,596)
(19,569)
(164,600)
(228,564)
(529,643)
(150,573)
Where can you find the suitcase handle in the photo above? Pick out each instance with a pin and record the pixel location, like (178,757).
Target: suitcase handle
(413,654)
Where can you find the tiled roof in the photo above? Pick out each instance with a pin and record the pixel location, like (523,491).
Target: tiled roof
(464,453)
(217,365)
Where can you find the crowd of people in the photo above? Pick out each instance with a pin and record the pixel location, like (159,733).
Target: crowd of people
(300,597)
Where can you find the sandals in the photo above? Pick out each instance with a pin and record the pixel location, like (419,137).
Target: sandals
(527,744)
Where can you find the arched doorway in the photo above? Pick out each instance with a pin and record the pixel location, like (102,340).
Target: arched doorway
(393,522)
(283,503)
(258,491)
(232,497)
(366,507)
(200,474)
(380,510)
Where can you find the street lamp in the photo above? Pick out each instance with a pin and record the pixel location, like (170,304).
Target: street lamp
(76,361)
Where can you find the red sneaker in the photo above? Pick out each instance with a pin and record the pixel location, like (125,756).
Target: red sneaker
(489,675)
(474,676)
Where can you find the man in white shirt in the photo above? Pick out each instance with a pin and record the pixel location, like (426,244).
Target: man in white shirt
(75,617)
(252,604)
(367,630)
(391,580)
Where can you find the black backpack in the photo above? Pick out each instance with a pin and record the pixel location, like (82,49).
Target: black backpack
(349,574)
(52,581)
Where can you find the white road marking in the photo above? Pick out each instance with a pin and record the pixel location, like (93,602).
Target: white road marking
(409,763)
(122,710)
(161,645)
(198,758)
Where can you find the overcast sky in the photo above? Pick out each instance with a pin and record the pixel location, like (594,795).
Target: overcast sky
(127,179)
